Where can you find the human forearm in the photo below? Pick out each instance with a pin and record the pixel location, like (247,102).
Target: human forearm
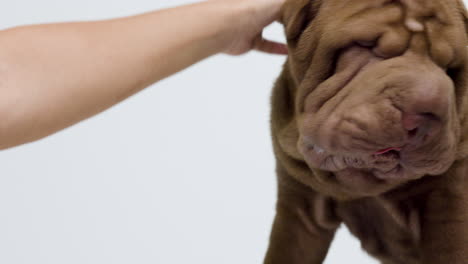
(53,76)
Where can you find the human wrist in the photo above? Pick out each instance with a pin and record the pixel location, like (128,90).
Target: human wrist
(230,29)
(242,24)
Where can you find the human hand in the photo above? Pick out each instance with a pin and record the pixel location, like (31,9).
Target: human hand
(252,17)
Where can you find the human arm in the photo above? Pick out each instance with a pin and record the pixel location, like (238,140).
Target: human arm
(53,76)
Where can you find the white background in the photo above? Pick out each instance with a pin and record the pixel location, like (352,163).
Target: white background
(183,172)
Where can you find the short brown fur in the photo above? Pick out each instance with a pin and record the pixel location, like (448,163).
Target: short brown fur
(418,218)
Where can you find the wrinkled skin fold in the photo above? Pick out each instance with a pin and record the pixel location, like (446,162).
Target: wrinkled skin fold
(370,130)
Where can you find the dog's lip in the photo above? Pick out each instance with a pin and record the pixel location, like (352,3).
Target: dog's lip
(394,173)
(386,150)
(381,167)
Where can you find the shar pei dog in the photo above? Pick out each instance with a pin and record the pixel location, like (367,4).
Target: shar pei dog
(370,130)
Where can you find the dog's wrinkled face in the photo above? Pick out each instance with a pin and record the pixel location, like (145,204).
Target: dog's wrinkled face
(376,99)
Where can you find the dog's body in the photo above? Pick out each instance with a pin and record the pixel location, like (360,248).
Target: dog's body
(370,129)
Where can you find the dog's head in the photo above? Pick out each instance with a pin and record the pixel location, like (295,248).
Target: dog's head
(380,90)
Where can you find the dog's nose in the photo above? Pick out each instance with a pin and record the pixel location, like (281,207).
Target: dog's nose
(419,126)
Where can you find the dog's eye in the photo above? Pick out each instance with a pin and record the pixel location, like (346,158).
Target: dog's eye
(457,77)
(452,73)
(366,44)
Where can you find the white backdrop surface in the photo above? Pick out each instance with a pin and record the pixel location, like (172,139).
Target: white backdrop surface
(183,172)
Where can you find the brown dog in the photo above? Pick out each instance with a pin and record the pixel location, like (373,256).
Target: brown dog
(370,129)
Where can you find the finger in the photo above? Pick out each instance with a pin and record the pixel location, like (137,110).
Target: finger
(269,46)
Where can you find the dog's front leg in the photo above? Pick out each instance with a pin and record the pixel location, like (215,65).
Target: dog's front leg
(445,219)
(303,228)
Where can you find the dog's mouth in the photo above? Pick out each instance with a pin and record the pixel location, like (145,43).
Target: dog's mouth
(384,168)
(385,164)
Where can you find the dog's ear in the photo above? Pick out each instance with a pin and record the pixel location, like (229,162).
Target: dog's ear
(296,16)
